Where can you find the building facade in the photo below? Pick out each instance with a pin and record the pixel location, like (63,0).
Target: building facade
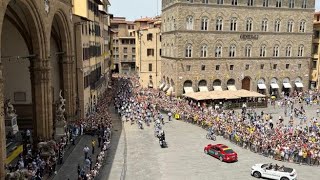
(314,74)
(123,45)
(37,64)
(257,45)
(92,38)
(148,51)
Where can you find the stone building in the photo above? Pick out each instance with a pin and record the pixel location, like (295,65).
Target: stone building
(148,51)
(258,45)
(91,23)
(123,45)
(37,61)
(314,77)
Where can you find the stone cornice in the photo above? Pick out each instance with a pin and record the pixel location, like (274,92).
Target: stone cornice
(237,32)
(238,6)
(239,58)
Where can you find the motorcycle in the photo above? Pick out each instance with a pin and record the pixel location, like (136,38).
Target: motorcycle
(162,143)
(211,136)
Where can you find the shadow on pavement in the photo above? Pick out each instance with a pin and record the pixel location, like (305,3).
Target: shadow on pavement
(115,139)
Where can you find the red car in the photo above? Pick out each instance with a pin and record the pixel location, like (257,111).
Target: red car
(222,152)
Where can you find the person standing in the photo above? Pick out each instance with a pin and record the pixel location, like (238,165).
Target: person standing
(86,151)
(78,170)
(93,144)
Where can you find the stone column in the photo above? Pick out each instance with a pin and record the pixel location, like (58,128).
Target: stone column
(41,98)
(3,154)
(69,85)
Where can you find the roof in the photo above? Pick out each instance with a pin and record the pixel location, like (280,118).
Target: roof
(212,95)
(146,19)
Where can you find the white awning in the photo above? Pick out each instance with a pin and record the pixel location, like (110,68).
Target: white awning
(166,88)
(217,88)
(161,86)
(203,89)
(274,86)
(287,85)
(262,86)
(169,92)
(299,84)
(232,88)
(188,90)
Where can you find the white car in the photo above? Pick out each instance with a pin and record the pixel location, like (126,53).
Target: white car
(273,171)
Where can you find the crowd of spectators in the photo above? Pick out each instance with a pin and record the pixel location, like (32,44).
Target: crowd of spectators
(297,140)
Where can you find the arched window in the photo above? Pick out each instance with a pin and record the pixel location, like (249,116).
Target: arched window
(205,1)
(204,51)
(304,4)
(249,24)
(288,50)
(219,1)
(248,49)
(219,23)
(218,51)
(276,51)
(232,50)
(190,1)
(233,24)
(264,25)
(290,26)
(189,51)
(291,3)
(300,50)
(278,3)
(189,22)
(250,3)
(302,26)
(263,50)
(277,25)
(234,2)
(265,3)
(204,23)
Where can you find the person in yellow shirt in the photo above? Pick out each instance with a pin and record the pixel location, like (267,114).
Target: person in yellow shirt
(93,144)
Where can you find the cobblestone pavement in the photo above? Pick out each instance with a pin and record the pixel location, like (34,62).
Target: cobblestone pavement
(184,158)
(136,155)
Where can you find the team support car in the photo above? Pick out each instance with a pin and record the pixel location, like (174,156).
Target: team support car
(272,171)
(222,152)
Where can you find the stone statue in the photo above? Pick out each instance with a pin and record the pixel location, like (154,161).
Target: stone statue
(9,109)
(60,109)
(47,148)
(47,6)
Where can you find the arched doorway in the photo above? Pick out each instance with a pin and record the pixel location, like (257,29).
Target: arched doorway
(187,87)
(274,87)
(261,86)
(231,85)
(286,87)
(298,84)
(203,86)
(246,83)
(217,85)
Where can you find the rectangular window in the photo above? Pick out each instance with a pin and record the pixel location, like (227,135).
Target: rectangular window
(125,57)
(133,57)
(274,66)
(188,67)
(299,66)
(261,66)
(203,67)
(231,67)
(150,52)
(217,67)
(247,66)
(250,3)
(160,52)
(219,1)
(287,66)
(133,50)
(314,64)
(149,37)
(125,50)
(316,34)
(150,66)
